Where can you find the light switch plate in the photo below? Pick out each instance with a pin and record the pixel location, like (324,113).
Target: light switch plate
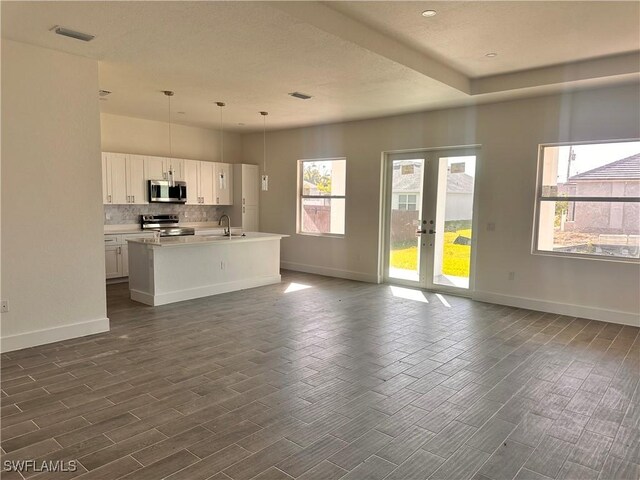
(4,306)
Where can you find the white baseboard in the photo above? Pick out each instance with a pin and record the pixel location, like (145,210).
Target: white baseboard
(591,313)
(55,334)
(330,272)
(205,291)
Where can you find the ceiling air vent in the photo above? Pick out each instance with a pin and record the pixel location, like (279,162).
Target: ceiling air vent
(303,96)
(67,32)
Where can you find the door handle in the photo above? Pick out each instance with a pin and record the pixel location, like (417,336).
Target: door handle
(432,231)
(420,232)
(108,198)
(133,199)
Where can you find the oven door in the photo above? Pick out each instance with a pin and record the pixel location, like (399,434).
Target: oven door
(161,191)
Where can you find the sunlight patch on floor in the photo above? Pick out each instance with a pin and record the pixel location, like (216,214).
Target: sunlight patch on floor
(443,300)
(295,287)
(409,294)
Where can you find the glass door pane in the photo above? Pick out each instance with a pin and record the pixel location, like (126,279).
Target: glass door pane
(453,220)
(404,219)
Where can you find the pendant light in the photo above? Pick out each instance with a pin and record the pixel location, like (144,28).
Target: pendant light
(222,180)
(172,183)
(265,177)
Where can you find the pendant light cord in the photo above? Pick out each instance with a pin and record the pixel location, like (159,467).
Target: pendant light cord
(169,94)
(221,137)
(170,144)
(264,141)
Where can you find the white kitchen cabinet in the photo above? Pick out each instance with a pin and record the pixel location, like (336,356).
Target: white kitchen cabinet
(223,186)
(116,253)
(157,168)
(245,212)
(136,181)
(207,176)
(200,178)
(123,179)
(250,221)
(113,261)
(191,177)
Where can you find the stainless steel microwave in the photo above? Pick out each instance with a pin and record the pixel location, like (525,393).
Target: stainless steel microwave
(164,191)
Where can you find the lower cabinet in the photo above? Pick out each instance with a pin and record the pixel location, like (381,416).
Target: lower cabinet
(116,254)
(113,261)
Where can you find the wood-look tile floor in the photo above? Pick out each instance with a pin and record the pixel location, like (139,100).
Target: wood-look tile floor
(339,380)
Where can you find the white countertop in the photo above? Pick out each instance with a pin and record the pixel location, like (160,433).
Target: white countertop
(206,239)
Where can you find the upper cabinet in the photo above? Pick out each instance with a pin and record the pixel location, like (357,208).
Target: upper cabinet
(123,179)
(158,168)
(208,183)
(125,176)
(223,185)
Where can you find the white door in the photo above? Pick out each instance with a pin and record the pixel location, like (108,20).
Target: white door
(118,174)
(106,180)
(190,169)
(250,218)
(207,175)
(250,185)
(429,217)
(155,168)
(113,261)
(136,184)
(224,184)
(176,165)
(124,260)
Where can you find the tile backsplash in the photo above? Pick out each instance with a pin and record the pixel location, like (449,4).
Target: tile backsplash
(129,214)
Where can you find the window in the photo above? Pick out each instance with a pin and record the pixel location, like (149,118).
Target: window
(589,200)
(407,202)
(321,205)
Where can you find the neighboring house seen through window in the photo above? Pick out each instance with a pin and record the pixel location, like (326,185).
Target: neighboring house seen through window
(589,200)
(321,204)
(407,202)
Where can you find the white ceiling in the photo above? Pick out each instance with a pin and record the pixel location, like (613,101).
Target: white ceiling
(357,59)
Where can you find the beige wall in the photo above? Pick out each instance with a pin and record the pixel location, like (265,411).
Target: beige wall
(509,133)
(147,137)
(52,246)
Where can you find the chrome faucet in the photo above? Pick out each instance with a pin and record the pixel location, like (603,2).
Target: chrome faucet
(227,231)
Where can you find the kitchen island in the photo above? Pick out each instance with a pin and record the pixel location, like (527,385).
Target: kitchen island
(172,269)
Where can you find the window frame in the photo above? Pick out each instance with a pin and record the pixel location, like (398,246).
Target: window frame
(301,196)
(539,198)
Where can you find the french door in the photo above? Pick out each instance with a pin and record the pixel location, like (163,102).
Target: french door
(428,226)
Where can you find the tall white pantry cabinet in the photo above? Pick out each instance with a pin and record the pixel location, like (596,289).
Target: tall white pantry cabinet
(246,196)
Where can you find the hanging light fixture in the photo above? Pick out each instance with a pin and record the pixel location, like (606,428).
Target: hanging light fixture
(222,180)
(169,94)
(265,177)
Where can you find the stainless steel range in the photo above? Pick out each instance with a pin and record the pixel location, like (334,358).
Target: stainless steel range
(167,225)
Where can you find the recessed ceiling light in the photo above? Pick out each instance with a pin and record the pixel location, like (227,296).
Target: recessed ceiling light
(302,96)
(429,13)
(67,32)
(104,93)
(181,113)
(241,124)
(491,54)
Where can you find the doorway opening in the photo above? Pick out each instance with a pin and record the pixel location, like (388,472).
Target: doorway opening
(428,224)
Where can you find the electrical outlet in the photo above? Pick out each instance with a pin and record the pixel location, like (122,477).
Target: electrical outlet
(4,306)
(512,275)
